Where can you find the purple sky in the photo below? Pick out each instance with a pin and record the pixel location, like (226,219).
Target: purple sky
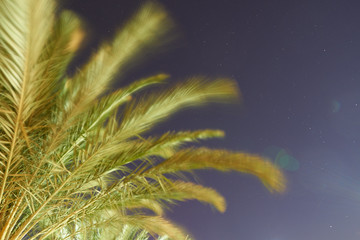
(298,66)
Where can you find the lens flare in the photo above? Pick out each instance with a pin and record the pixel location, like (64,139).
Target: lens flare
(282,158)
(335,106)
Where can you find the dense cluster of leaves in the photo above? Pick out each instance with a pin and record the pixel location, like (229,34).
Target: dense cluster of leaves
(75,163)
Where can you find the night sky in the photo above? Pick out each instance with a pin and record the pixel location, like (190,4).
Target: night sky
(297,64)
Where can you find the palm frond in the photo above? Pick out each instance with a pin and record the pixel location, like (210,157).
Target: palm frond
(145,29)
(75,162)
(24,30)
(202,158)
(170,192)
(143,114)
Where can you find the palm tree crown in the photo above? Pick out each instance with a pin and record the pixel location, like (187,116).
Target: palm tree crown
(76,163)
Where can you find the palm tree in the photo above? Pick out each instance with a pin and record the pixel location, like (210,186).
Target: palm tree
(76,163)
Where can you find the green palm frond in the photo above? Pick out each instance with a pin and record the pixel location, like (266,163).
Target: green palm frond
(77,163)
(202,158)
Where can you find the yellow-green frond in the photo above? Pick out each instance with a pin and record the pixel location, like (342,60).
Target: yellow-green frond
(149,204)
(74,161)
(108,104)
(191,159)
(171,191)
(65,39)
(143,114)
(156,226)
(169,143)
(188,190)
(146,28)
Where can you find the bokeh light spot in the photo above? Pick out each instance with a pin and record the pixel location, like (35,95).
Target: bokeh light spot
(282,158)
(335,106)
(286,161)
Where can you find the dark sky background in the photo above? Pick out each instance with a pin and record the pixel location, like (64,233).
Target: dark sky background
(298,66)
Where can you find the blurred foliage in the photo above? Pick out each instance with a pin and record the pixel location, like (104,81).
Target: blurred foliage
(75,163)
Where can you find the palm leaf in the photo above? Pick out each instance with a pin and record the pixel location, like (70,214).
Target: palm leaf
(143,114)
(75,162)
(202,158)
